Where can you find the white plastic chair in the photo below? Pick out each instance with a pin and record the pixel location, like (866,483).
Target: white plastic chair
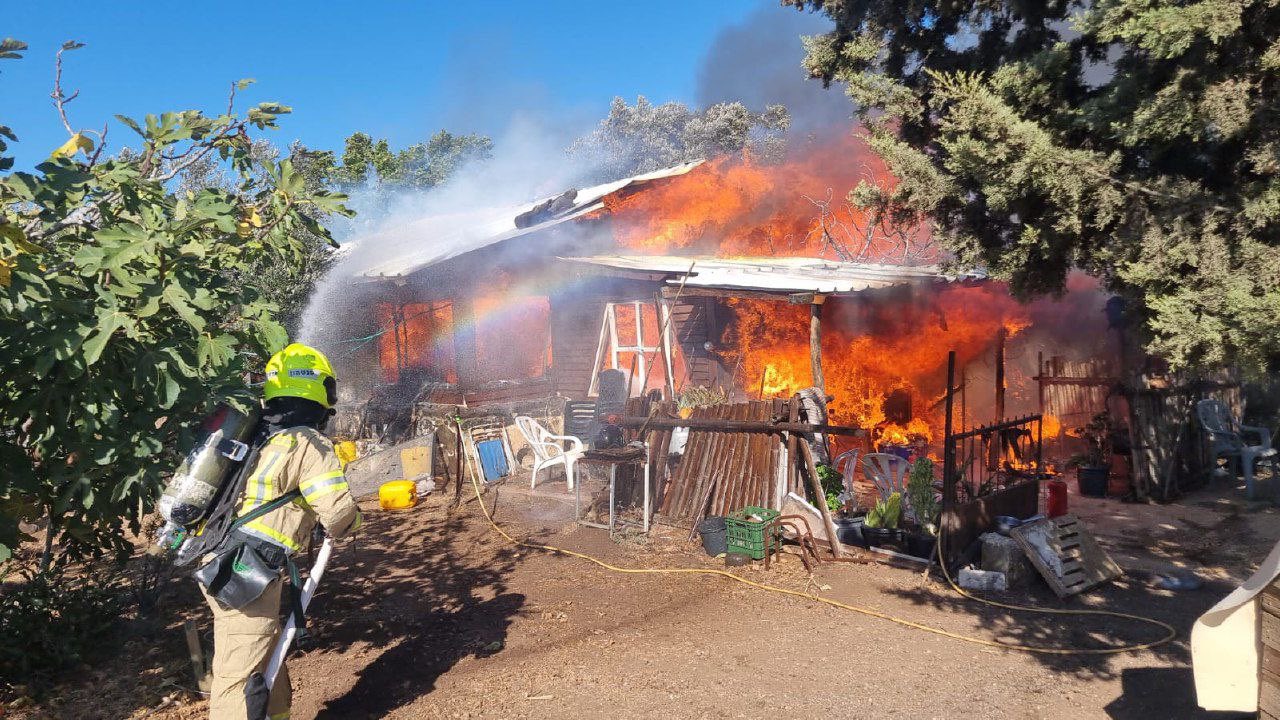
(846,463)
(1226,437)
(548,449)
(888,472)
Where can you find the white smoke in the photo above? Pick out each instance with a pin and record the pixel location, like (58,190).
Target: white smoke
(529,163)
(756,62)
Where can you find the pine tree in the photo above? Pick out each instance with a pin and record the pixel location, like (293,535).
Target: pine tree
(1136,139)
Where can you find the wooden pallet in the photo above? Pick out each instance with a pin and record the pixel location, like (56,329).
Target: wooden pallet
(1067,556)
(1269,672)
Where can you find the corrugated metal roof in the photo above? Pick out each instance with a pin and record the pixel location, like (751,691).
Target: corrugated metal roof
(408,248)
(780,275)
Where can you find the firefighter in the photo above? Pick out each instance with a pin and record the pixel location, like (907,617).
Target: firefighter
(296,465)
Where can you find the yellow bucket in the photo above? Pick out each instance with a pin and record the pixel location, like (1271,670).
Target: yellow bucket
(346,452)
(397,495)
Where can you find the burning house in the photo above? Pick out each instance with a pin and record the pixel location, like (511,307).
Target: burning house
(717,274)
(752,279)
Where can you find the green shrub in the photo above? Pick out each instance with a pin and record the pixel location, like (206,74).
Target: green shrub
(832,485)
(49,622)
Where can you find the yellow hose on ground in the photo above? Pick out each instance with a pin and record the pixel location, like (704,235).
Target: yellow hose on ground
(1171,633)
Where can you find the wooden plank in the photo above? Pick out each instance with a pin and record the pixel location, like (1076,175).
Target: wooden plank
(1271,659)
(1269,598)
(729,424)
(199,663)
(811,473)
(418,462)
(1270,630)
(1269,693)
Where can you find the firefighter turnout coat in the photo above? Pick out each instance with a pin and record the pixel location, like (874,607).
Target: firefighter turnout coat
(299,458)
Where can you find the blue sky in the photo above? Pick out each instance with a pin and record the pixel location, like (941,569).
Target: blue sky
(399,70)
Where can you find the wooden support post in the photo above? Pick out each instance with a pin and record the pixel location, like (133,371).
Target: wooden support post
(995,451)
(196,652)
(665,322)
(815,486)
(793,415)
(949,461)
(397,328)
(734,425)
(815,342)
(1040,409)
(1002,337)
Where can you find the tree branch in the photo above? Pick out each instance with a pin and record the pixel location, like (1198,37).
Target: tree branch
(102,143)
(60,99)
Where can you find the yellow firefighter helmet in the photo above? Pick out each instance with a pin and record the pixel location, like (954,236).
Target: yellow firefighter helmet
(303,372)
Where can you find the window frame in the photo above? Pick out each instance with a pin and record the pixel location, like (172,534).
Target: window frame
(608,342)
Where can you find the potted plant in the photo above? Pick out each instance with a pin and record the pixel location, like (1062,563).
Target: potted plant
(881,524)
(1093,465)
(840,503)
(698,397)
(924,507)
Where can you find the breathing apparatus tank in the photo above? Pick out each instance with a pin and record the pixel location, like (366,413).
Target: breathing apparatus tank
(221,447)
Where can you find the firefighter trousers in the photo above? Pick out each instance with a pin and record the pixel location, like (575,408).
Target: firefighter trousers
(242,643)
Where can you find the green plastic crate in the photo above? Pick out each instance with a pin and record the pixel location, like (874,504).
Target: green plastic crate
(747,536)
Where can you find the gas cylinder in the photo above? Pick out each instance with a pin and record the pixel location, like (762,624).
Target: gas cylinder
(220,447)
(1055,503)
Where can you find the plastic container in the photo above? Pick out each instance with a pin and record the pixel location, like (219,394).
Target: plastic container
(849,530)
(714,535)
(397,495)
(346,452)
(1055,504)
(1093,481)
(921,545)
(883,537)
(746,535)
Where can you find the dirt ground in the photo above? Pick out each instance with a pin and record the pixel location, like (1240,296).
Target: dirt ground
(430,614)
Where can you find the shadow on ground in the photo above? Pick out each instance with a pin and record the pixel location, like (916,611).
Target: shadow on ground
(418,602)
(1132,595)
(1161,693)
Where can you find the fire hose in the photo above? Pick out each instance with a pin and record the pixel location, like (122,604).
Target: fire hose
(257,691)
(1170,632)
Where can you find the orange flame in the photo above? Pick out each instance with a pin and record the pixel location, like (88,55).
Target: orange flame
(917,429)
(1051,426)
(417,336)
(732,207)
(870,348)
(873,345)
